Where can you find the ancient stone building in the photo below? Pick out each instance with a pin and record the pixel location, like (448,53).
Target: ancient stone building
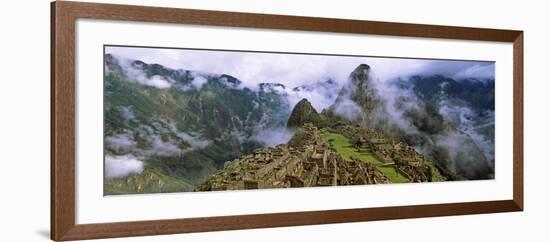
(312,164)
(394,153)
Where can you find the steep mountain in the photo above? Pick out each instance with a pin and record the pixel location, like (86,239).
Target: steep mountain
(182,124)
(357,100)
(360,90)
(302,113)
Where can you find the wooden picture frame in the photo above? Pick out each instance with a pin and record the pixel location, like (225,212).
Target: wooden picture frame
(63,18)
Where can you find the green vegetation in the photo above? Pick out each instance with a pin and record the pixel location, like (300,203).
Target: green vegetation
(437,175)
(303,113)
(297,139)
(343,146)
(392,173)
(346,149)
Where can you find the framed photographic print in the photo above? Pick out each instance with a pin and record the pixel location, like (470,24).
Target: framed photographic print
(172,120)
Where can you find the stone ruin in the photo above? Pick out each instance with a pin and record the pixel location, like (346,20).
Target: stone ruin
(401,156)
(312,164)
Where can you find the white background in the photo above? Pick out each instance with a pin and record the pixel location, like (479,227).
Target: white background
(24,100)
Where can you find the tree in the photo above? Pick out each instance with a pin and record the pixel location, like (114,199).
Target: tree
(357,143)
(397,161)
(331,142)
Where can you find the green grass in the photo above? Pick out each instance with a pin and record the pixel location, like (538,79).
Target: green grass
(391,173)
(346,150)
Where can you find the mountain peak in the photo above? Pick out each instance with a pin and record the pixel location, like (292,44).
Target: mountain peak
(363,67)
(302,113)
(360,76)
(304,101)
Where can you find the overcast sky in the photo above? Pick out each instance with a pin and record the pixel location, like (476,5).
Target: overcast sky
(296,69)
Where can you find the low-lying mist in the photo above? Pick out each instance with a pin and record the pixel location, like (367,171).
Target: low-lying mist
(120,166)
(273,136)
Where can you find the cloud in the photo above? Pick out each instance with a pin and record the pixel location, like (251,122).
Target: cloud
(348,109)
(397,101)
(161,147)
(134,73)
(194,142)
(198,80)
(469,122)
(321,94)
(481,71)
(121,166)
(120,142)
(168,145)
(292,70)
(127,113)
(157,81)
(273,136)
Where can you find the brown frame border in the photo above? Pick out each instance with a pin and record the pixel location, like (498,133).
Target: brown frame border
(63,18)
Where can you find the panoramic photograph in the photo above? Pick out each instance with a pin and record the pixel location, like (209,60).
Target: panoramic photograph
(193,120)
